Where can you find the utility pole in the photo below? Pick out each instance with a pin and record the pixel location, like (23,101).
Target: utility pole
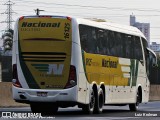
(8,12)
(7,36)
(38,11)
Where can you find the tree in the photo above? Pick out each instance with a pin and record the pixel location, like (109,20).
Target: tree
(7,39)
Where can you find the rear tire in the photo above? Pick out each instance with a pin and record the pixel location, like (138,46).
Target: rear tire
(44,108)
(89,108)
(99,102)
(135,106)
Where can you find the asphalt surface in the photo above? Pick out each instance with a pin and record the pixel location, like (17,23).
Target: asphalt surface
(149,111)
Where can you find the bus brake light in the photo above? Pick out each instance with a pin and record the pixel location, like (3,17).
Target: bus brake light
(15,80)
(69,18)
(72,80)
(21,18)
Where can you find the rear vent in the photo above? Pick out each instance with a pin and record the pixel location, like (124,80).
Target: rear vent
(43,56)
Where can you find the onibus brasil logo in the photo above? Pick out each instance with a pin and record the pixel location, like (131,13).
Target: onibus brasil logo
(56,69)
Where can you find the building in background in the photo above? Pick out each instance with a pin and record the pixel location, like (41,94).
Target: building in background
(155,47)
(143,27)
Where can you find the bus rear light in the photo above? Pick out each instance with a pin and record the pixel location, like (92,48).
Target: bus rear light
(72,80)
(45,16)
(15,80)
(21,18)
(69,18)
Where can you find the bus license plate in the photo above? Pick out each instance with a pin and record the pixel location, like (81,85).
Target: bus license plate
(42,94)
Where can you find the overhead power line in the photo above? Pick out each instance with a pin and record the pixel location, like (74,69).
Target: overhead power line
(8,12)
(89,6)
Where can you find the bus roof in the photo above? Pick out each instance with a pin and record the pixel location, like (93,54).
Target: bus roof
(104,25)
(112,26)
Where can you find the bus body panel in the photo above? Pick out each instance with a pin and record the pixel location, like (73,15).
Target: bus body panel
(82,84)
(66,95)
(117,76)
(118,88)
(15,56)
(43,55)
(45,52)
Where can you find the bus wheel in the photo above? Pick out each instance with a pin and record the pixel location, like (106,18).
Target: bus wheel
(134,106)
(99,102)
(89,108)
(44,108)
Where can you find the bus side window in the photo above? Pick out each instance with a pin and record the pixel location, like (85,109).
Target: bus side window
(84,42)
(87,38)
(101,41)
(138,49)
(106,43)
(128,46)
(112,43)
(123,44)
(83,38)
(132,38)
(92,41)
(118,44)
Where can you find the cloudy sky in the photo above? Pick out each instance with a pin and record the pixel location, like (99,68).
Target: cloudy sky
(118,11)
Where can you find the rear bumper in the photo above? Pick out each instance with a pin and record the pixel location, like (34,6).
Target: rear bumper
(30,95)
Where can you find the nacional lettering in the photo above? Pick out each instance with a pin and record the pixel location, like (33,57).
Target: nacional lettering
(40,24)
(109,63)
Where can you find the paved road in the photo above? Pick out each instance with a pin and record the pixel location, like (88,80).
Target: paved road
(146,112)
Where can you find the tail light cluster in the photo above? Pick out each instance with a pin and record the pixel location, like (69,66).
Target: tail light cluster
(72,80)
(15,80)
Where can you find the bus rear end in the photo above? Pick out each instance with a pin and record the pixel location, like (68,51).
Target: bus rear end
(42,70)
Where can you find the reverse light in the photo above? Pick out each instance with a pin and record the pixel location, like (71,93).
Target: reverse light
(15,80)
(72,80)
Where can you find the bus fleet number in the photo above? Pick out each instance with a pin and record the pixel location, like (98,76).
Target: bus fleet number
(66,30)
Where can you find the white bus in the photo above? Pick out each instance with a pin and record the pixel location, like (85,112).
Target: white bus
(59,61)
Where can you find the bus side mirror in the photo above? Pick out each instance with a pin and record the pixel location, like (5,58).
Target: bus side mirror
(152,58)
(154,65)
(154,62)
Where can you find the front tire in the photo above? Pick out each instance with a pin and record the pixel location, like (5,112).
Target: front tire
(135,106)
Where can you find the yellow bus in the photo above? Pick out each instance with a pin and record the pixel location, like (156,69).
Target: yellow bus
(61,61)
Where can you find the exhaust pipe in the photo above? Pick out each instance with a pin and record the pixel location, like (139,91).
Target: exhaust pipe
(22,96)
